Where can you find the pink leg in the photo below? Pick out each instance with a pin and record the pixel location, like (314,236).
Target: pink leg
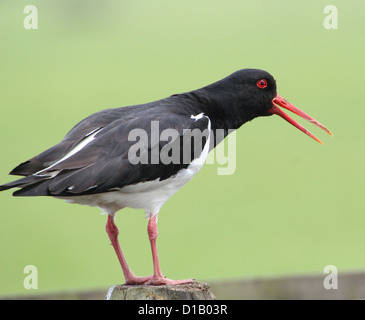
(113,232)
(158,278)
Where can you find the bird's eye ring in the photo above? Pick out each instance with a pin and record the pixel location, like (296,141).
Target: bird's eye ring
(262,83)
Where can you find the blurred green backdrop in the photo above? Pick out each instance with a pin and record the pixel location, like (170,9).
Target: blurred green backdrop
(292,206)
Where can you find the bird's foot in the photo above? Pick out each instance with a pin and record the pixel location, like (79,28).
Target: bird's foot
(133,280)
(161,280)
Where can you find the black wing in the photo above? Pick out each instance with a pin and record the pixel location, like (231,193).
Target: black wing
(100,160)
(74,137)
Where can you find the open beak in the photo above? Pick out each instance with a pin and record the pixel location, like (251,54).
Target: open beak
(285,104)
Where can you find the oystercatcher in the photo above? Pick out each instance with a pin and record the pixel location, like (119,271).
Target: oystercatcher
(139,156)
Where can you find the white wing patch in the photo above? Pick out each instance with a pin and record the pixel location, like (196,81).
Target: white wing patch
(88,138)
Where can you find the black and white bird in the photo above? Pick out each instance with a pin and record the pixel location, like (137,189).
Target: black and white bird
(139,156)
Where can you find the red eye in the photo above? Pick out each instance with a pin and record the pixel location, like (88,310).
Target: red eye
(262,83)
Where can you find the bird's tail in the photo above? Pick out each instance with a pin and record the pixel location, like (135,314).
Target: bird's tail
(22,183)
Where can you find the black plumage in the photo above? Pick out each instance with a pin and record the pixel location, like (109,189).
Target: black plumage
(103,164)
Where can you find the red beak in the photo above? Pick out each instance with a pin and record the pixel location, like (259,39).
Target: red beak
(285,104)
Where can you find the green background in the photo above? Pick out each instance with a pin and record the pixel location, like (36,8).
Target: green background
(293,206)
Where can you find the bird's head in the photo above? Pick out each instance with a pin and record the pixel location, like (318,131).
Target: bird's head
(256,91)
